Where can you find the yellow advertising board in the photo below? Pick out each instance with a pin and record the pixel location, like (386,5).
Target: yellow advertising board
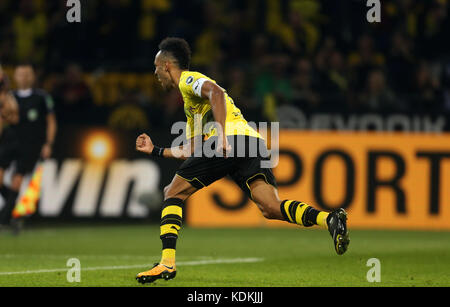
(388,180)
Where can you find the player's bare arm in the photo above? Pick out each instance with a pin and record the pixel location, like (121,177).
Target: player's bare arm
(145,144)
(51,133)
(216,97)
(9,109)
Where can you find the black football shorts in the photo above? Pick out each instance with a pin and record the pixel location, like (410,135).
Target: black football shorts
(25,156)
(243,164)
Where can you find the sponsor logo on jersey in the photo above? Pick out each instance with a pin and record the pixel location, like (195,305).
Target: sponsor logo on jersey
(32,115)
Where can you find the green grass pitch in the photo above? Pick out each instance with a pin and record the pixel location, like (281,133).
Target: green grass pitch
(111,255)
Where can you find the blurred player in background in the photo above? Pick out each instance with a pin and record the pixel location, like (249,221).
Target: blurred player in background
(9,144)
(27,140)
(207,102)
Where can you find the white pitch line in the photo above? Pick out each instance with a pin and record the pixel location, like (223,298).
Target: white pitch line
(80,256)
(121,267)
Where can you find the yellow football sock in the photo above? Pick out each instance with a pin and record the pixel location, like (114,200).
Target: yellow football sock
(322,219)
(168,257)
(302,214)
(171,221)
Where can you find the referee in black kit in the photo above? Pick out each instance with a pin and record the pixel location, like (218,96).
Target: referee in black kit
(35,133)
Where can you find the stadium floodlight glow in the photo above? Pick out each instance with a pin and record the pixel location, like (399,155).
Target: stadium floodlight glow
(99,147)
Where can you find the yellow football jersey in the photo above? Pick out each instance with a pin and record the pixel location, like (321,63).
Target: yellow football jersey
(199,113)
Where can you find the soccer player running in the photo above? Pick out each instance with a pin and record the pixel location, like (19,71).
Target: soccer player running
(206,102)
(26,141)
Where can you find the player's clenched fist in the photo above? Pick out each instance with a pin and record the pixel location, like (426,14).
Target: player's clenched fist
(144,144)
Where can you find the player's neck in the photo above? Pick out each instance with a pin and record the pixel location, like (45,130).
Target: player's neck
(175,74)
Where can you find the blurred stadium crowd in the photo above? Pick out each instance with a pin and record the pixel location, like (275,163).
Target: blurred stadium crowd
(316,55)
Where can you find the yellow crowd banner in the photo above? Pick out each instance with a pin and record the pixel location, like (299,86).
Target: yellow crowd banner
(383,180)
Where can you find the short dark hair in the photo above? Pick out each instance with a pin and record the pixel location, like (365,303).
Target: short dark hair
(179,49)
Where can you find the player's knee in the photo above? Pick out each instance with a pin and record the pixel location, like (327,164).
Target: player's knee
(167,192)
(178,188)
(165,189)
(171,192)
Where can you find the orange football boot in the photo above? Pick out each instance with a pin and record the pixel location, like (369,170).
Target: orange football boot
(158,271)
